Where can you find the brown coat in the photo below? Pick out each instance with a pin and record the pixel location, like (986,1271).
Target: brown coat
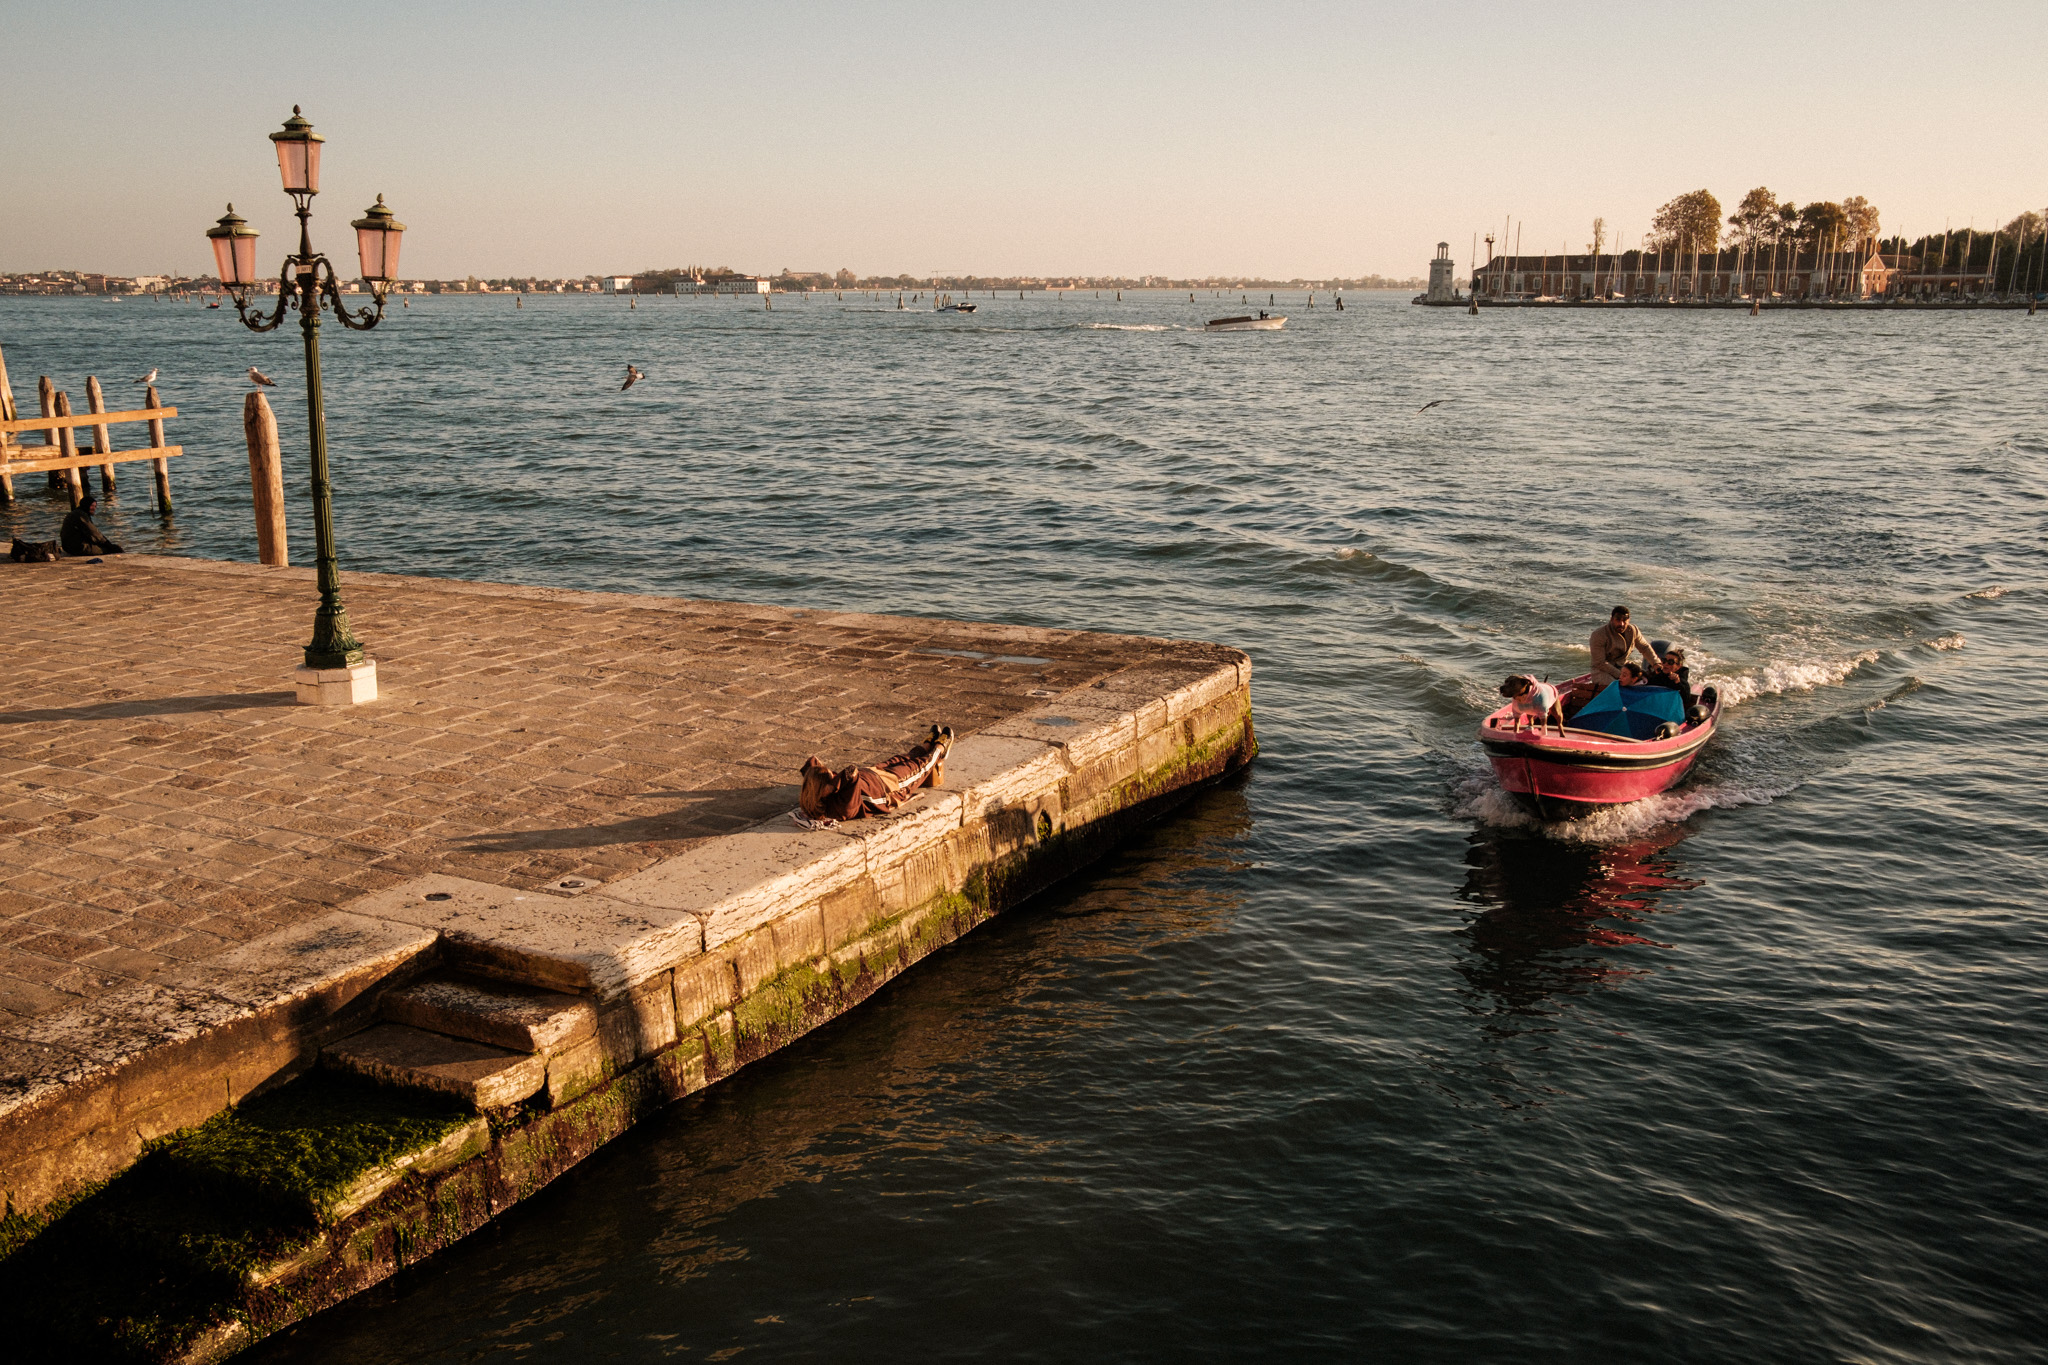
(859,789)
(1611,648)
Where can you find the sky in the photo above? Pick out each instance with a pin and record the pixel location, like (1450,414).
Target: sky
(1277,139)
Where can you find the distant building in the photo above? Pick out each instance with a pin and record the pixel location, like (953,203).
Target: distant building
(724,284)
(1443,284)
(1734,273)
(615,284)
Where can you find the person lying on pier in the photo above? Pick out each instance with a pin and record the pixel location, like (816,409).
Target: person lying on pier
(1534,701)
(80,536)
(1614,642)
(860,789)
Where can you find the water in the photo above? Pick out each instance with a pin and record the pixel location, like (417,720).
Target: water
(1349,1059)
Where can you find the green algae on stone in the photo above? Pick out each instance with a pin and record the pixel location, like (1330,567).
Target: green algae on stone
(301,1148)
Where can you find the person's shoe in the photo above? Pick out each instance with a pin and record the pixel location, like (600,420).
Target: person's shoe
(941,740)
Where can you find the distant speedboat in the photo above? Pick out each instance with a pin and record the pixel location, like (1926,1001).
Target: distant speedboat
(1264,322)
(955,308)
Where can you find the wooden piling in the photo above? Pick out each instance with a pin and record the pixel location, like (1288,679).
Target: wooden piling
(67,447)
(163,465)
(46,405)
(266,478)
(7,414)
(102,443)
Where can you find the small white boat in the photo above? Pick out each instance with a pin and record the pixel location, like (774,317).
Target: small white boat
(955,308)
(1264,322)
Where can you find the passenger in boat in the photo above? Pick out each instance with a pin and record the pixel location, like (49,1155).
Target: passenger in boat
(1614,642)
(80,536)
(859,789)
(1674,673)
(1534,701)
(1632,675)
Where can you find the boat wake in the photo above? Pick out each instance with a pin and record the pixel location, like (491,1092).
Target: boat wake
(1479,797)
(1775,679)
(1129,327)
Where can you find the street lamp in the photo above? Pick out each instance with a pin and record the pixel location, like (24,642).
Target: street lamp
(335,670)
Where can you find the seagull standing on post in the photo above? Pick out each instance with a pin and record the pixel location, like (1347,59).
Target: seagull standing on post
(633,376)
(257,376)
(149,378)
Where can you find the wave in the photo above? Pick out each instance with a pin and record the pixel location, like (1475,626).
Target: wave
(1129,327)
(1480,798)
(1953,640)
(1990,594)
(1773,679)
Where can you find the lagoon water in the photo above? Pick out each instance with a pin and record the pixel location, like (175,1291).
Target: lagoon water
(1346,1060)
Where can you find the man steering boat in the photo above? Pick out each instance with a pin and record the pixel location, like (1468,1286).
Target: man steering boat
(1614,642)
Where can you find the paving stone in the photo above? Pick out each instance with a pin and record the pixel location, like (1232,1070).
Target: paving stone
(517,1018)
(398,1054)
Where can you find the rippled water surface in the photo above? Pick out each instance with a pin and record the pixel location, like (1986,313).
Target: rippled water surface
(1346,1059)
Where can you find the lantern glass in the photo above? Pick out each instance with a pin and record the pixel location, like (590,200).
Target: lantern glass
(378,235)
(234,249)
(299,164)
(298,154)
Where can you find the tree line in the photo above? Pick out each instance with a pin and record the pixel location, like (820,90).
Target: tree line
(1762,221)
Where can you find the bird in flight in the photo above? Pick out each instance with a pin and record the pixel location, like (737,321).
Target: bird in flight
(257,376)
(149,378)
(1427,406)
(633,376)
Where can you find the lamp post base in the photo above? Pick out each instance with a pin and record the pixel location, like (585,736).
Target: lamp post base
(351,686)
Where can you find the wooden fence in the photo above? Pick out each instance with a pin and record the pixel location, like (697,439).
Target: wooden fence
(58,453)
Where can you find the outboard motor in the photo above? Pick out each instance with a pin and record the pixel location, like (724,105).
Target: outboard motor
(1662,647)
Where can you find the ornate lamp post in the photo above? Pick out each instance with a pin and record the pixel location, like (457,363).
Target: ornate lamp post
(335,670)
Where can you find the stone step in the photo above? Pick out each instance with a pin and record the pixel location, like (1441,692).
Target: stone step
(399,1054)
(516,1018)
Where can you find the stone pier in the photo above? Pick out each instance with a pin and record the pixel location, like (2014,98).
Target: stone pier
(292,995)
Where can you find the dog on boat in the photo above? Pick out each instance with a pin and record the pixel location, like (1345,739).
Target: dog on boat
(862,789)
(1534,701)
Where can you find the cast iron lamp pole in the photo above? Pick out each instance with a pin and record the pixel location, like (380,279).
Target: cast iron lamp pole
(308,282)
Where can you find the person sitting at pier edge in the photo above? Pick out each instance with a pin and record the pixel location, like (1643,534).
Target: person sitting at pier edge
(1614,642)
(80,536)
(1534,701)
(860,790)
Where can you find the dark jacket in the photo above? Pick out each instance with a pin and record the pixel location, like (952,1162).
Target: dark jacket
(81,537)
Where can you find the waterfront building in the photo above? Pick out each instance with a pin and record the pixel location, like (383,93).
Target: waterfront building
(616,284)
(1733,273)
(724,284)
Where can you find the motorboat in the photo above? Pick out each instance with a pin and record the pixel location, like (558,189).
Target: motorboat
(1262,323)
(956,308)
(1621,745)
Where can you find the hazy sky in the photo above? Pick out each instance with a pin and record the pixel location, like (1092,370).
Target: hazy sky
(1099,138)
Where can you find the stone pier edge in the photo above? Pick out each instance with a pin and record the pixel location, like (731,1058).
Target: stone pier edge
(700,964)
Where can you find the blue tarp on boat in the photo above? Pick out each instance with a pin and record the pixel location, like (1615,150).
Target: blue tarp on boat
(1631,712)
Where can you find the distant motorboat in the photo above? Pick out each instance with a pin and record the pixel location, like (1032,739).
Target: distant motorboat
(955,308)
(1264,322)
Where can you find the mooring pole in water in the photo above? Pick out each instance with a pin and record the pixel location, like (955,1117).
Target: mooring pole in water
(102,444)
(46,403)
(163,465)
(6,415)
(67,446)
(266,478)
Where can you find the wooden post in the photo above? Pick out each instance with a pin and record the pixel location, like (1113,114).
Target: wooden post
(163,466)
(102,444)
(6,415)
(266,478)
(46,401)
(67,446)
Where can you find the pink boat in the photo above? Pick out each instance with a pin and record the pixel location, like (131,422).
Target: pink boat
(1624,744)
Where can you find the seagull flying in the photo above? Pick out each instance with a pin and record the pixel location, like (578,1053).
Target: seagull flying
(633,376)
(149,378)
(1427,406)
(257,376)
